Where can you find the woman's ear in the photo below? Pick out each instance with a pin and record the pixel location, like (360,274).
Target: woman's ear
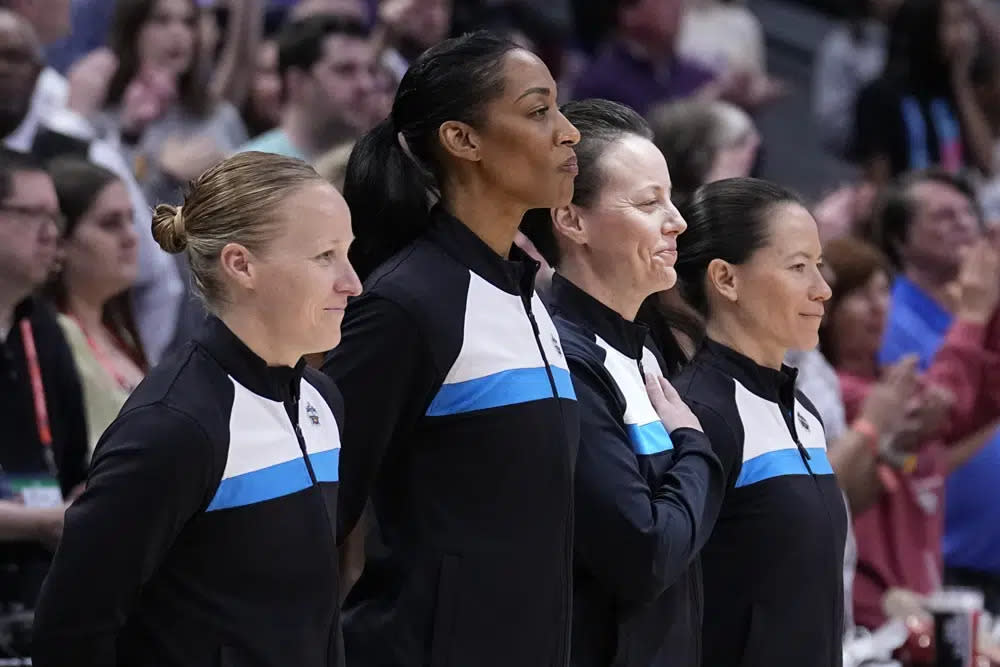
(568,222)
(236,265)
(459,140)
(722,277)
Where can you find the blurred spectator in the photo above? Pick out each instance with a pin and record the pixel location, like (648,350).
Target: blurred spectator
(38,114)
(406,28)
(851,56)
(986,79)
(326,64)
(639,64)
(703,142)
(44,449)
(726,37)
(899,538)
(91,288)
(922,111)
(261,110)
(923,226)
(159,107)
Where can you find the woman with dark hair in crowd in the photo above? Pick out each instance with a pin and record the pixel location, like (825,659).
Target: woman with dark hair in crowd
(464,423)
(160,105)
(923,111)
(91,289)
(749,263)
(205,535)
(899,537)
(648,486)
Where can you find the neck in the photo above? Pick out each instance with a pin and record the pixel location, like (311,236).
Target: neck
(247,326)
(308,136)
(583,276)
(733,334)
(492,220)
(932,283)
(88,309)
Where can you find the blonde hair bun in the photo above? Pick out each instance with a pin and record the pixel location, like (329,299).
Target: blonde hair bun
(168,228)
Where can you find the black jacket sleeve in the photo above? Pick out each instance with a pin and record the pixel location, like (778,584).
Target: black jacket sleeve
(387,377)
(638,540)
(154,469)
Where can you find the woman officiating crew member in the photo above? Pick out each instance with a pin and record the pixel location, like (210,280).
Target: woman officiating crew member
(463,421)
(206,533)
(648,486)
(749,263)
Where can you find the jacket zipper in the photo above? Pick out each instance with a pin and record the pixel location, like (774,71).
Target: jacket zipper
(293,416)
(568,553)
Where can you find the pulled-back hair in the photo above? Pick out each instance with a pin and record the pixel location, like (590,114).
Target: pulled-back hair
(236,201)
(601,123)
(389,189)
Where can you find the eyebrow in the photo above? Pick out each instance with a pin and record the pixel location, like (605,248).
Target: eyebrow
(535,91)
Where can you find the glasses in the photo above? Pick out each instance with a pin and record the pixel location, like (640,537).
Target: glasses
(34,215)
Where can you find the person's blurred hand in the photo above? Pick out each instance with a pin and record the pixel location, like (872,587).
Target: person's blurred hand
(146,98)
(885,405)
(89,79)
(978,284)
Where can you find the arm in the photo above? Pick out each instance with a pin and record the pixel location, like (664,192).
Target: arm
(638,540)
(386,375)
(154,469)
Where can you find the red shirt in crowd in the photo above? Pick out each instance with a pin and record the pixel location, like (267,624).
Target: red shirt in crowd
(899,537)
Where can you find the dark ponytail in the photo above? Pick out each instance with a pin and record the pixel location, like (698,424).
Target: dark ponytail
(390,189)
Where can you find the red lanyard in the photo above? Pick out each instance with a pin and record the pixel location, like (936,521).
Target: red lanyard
(38,394)
(102,358)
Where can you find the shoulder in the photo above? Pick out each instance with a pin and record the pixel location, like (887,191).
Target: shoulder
(421,279)
(577,342)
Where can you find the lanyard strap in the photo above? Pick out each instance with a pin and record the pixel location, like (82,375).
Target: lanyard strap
(37,387)
(38,396)
(102,358)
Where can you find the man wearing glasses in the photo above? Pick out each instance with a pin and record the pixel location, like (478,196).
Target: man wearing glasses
(43,435)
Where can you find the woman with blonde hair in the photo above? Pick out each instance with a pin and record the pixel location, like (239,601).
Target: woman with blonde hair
(224,461)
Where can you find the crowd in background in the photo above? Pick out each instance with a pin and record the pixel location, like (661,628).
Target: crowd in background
(124,101)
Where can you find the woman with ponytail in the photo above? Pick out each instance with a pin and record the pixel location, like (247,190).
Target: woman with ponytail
(463,421)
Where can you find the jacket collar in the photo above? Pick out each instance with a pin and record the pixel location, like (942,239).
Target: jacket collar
(514,276)
(772,384)
(278,383)
(581,308)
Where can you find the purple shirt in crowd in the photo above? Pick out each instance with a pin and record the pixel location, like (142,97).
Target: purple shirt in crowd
(619,75)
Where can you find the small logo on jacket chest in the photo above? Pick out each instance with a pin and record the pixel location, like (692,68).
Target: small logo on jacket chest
(312,413)
(555,344)
(802,421)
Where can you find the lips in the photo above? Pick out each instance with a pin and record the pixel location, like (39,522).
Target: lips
(570,166)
